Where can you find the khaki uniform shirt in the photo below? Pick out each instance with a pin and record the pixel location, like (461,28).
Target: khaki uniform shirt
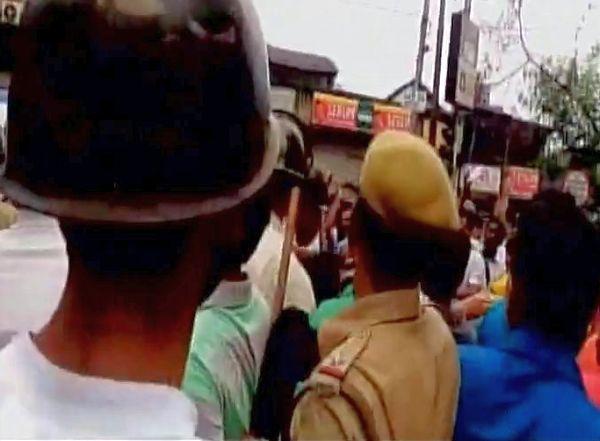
(409,357)
(8,215)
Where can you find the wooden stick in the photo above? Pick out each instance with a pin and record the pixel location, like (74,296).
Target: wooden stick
(286,252)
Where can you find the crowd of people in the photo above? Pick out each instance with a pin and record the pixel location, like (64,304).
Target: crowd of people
(220,286)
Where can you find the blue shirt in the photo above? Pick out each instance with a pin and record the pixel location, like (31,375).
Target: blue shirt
(529,389)
(494,329)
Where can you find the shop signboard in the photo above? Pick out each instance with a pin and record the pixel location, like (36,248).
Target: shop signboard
(483,179)
(391,118)
(577,183)
(364,116)
(461,85)
(335,111)
(523,183)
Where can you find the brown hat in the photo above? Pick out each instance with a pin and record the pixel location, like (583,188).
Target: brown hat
(403,179)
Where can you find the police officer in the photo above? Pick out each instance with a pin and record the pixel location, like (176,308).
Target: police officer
(144,126)
(390,368)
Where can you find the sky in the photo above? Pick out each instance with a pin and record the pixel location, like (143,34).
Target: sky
(374,42)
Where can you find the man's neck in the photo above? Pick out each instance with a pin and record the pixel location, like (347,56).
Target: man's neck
(368,282)
(128,330)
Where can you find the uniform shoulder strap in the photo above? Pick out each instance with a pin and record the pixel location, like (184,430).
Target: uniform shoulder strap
(328,376)
(338,375)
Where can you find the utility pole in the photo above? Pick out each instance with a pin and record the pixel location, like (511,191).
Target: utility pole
(459,125)
(437,74)
(422,48)
(468,6)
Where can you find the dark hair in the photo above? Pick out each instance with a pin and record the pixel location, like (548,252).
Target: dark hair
(492,242)
(446,270)
(554,261)
(473,221)
(400,256)
(411,252)
(116,251)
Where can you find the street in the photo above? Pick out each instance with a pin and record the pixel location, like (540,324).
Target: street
(33,270)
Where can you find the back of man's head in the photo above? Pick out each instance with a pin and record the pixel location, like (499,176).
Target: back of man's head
(554,262)
(129,121)
(112,252)
(407,210)
(410,253)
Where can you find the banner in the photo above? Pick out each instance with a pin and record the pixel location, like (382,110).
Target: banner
(364,117)
(335,111)
(483,179)
(391,118)
(522,183)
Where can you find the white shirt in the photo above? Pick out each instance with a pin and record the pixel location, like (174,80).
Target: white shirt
(475,271)
(226,352)
(40,400)
(33,272)
(263,270)
(498,265)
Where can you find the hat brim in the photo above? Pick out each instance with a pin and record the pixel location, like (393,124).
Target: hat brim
(447,238)
(146,208)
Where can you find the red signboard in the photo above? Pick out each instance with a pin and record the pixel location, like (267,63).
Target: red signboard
(390,118)
(523,183)
(334,111)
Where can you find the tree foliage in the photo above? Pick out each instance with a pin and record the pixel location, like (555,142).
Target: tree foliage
(562,92)
(500,37)
(566,96)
